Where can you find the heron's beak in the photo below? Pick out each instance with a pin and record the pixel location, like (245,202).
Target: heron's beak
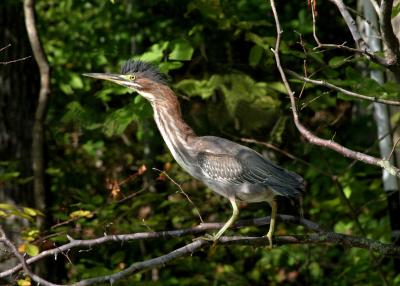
(116,78)
(107,76)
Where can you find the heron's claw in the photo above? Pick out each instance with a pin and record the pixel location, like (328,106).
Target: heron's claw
(208,237)
(269,237)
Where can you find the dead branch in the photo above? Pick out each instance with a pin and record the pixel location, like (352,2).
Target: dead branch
(312,138)
(343,90)
(388,36)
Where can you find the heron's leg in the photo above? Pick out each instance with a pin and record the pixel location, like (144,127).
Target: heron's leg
(235,214)
(274,207)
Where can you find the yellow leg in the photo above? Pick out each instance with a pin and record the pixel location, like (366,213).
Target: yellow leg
(230,221)
(274,207)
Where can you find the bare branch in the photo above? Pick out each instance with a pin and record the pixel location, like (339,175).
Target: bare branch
(373,57)
(22,261)
(5,47)
(351,24)
(201,228)
(394,148)
(313,139)
(321,237)
(375,5)
(388,35)
(11,61)
(364,51)
(342,90)
(14,61)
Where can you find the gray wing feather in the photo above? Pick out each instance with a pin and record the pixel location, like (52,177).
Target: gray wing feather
(247,166)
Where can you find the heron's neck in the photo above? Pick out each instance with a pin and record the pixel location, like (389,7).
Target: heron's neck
(178,136)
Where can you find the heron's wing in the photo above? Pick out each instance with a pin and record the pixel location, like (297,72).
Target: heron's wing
(221,167)
(249,166)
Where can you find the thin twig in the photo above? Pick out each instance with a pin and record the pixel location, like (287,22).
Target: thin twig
(351,24)
(342,90)
(314,20)
(183,192)
(312,138)
(394,147)
(5,47)
(14,61)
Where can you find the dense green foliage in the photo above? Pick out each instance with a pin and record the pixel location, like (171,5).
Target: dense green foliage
(217,54)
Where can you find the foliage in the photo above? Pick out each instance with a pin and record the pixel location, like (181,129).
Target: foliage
(218,56)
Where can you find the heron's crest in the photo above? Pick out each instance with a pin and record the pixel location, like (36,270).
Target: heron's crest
(145,69)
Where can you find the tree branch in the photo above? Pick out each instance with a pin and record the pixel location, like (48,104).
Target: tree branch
(392,55)
(373,57)
(321,237)
(313,139)
(351,24)
(342,90)
(201,228)
(388,36)
(40,113)
(22,261)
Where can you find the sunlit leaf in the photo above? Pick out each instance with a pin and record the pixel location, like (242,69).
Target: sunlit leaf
(181,51)
(81,213)
(31,249)
(32,212)
(24,282)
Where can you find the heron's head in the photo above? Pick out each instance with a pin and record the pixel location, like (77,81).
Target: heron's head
(140,76)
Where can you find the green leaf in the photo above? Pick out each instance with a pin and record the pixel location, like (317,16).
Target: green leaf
(156,52)
(347,191)
(24,282)
(165,67)
(395,10)
(255,55)
(76,81)
(264,42)
(32,212)
(6,206)
(181,51)
(336,62)
(118,120)
(31,249)
(9,176)
(203,88)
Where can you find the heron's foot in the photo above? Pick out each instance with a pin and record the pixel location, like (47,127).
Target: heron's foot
(208,237)
(269,237)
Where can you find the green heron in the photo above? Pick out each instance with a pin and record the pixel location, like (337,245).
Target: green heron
(229,169)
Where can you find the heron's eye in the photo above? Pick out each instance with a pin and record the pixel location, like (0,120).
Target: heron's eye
(131,77)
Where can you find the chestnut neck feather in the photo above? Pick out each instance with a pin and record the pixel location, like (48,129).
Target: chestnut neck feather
(178,136)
